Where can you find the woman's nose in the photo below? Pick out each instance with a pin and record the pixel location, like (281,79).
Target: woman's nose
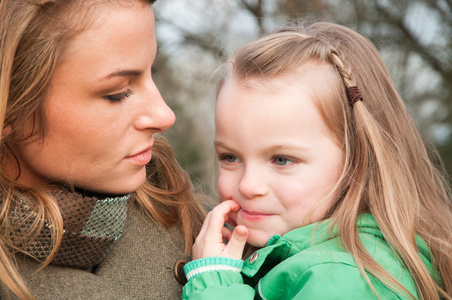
(155,113)
(252,183)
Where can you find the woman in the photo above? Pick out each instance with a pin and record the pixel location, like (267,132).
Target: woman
(81,199)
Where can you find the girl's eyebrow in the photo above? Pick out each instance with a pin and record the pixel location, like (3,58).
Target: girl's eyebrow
(288,148)
(275,148)
(219,144)
(224,146)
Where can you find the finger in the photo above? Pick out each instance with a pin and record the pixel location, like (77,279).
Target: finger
(203,230)
(219,216)
(229,205)
(236,244)
(234,206)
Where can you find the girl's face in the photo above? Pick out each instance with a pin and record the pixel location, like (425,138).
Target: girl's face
(102,108)
(277,159)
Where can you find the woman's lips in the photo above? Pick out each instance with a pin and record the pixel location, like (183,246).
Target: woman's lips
(254,216)
(141,158)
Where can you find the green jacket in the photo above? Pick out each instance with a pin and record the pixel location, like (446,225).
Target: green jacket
(302,264)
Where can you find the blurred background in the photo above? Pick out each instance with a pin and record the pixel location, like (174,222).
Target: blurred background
(414,38)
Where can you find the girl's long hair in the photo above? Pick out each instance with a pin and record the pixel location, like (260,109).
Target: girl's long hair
(33,36)
(389,170)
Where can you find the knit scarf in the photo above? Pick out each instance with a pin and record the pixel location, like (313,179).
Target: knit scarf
(91,227)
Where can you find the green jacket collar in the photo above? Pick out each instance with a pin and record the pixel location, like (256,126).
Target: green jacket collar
(280,248)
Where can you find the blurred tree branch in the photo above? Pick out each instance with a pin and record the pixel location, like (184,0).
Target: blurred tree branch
(419,56)
(409,40)
(203,41)
(256,11)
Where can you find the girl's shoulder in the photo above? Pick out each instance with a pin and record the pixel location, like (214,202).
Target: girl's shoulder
(319,267)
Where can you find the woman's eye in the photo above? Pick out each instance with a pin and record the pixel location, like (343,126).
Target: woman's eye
(282,160)
(118,97)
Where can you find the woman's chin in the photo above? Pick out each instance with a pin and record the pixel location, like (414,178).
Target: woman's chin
(118,187)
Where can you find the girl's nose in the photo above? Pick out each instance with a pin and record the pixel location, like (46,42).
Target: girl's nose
(155,114)
(252,183)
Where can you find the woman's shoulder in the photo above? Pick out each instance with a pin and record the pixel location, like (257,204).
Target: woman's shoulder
(144,256)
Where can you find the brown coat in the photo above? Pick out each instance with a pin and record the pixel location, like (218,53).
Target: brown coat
(140,266)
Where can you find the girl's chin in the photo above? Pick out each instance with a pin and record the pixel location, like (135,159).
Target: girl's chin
(258,240)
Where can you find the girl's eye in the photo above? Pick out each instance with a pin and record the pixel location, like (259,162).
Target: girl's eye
(118,97)
(282,160)
(228,158)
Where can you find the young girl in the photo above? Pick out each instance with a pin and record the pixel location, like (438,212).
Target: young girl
(321,166)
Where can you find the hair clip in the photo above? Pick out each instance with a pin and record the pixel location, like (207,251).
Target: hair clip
(353,94)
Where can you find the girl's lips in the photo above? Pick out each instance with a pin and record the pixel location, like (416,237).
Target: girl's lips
(254,216)
(141,158)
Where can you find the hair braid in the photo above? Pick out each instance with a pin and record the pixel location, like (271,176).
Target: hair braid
(340,66)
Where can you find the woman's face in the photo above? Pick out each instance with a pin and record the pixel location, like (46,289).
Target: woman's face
(102,108)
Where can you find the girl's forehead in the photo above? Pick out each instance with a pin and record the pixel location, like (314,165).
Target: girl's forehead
(311,70)
(276,99)
(312,76)
(283,99)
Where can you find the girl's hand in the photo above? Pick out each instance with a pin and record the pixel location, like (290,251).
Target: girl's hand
(209,242)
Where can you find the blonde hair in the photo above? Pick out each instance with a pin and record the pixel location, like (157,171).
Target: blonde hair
(34,34)
(388,171)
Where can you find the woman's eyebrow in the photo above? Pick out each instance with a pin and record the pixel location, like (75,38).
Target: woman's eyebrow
(123,73)
(127,72)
